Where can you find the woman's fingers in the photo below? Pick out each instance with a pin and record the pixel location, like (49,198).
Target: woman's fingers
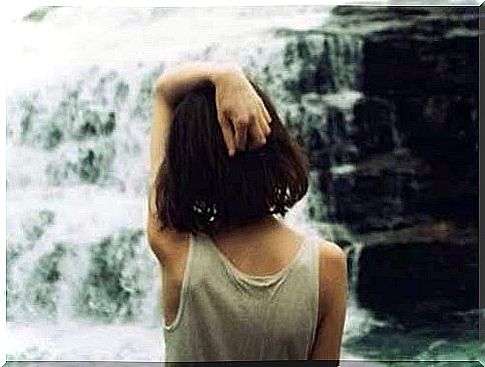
(266,113)
(264,124)
(228,135)
(241,125)
(255,125)
(257,136)
(241,112)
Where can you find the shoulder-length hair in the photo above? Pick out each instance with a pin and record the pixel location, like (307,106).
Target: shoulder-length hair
(199,188)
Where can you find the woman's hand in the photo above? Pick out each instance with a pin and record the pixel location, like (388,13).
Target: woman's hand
(240,112)
(240,109)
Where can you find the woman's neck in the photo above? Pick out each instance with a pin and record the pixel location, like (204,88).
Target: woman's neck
(267,222)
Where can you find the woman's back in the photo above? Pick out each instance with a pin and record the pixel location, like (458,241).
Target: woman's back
(250,294)
(243,288)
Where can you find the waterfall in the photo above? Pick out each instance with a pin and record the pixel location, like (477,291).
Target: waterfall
(359,321)
(341,60)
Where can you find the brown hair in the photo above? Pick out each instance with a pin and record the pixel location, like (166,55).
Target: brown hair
(199,188)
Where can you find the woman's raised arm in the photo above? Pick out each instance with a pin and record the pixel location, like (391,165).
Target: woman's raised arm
(240,109)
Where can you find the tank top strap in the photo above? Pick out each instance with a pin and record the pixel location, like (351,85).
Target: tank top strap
(311,266)
(202,263)
(311,251)
(200,256)
(197,263)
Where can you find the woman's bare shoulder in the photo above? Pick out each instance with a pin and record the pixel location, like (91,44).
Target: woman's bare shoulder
(332,266)
(332,276)
(330,251)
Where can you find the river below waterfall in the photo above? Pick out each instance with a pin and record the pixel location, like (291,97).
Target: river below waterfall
(81,281)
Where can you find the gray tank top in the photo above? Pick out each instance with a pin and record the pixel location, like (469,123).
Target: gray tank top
(225,314)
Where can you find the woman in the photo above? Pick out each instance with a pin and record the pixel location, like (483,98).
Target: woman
(237,283)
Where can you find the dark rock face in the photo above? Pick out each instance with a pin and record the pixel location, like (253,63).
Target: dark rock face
(402,65)
(427,278)
(389,114)
(419,85)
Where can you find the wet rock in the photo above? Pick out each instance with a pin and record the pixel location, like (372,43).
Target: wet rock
(418,94)
(426,270)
